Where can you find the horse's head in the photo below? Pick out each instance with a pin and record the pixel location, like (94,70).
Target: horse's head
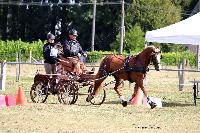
(155,58)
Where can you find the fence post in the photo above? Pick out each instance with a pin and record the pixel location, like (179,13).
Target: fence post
(181,74)
(3,75)
(17,66)
(30,56)
(198,57)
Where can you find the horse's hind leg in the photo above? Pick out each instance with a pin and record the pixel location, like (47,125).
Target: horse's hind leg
(118,91)
(97,87)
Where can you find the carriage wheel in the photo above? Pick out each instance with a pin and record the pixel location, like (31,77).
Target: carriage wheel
(100,98)
(39,92)
(75,88)
(67,92)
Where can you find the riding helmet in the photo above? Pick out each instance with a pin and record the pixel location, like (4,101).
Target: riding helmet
(73,32)
(50,36)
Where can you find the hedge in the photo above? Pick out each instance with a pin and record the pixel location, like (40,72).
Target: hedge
(8,51)
(174,58)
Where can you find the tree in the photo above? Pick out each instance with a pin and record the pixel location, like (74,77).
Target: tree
(34,22)
(187,6)
(142,16)
(133,41)
(152,14)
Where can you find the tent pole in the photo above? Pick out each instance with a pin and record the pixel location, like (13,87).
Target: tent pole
(198,57)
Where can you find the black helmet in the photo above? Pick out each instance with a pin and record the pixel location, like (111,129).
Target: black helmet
(73,32)
(50,36)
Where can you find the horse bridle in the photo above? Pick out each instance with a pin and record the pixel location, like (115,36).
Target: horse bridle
(153,58)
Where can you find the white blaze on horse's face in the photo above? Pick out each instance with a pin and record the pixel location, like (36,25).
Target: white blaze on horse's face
(157,59)
(157,50)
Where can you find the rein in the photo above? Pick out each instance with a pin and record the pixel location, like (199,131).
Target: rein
(106,74)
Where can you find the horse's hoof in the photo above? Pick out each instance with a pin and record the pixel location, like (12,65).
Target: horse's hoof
(124,103)
(153,105)
(130,99)
(87,99)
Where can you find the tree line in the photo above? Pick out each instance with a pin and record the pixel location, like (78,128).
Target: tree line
(32,22)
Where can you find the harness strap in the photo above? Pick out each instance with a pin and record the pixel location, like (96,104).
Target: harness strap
(103,69)
(105,72)
(133,69)
(126,67)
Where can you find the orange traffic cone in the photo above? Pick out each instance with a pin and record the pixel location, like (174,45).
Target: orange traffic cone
(21,99)
(137,100)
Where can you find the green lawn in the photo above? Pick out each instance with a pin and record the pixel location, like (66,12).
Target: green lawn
(178,113)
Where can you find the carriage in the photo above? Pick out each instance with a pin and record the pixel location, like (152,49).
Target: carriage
(71,78)
(66,84)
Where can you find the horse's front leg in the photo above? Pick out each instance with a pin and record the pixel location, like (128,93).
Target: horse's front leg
(135,91)
(118,91)
(151,103)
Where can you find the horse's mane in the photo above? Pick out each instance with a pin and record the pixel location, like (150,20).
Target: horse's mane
(149,48)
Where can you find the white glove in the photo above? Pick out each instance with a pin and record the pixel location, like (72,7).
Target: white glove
(85,54)
(54,52)
(79,55)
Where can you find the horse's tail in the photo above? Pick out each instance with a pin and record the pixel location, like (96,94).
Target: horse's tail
(104,63)
(102,68)
(101,74)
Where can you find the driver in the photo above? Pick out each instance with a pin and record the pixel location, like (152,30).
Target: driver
(71,46)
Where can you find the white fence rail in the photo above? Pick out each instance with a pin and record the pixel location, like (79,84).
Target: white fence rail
(180,71)
(3,76)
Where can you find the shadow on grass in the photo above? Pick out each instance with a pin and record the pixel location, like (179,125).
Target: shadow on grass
(164,104)
(175,104)
(106,102)
(53,103)
(112,102)
(82,104)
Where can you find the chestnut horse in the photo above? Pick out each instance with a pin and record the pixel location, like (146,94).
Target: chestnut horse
(132,68)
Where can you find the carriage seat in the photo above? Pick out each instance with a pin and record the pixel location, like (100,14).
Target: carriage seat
(72,65)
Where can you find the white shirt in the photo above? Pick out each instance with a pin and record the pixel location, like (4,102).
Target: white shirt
(54,52)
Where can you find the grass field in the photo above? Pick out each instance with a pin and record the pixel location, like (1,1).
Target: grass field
(178,113)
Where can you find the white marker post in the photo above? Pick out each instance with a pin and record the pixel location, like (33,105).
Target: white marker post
(3,75)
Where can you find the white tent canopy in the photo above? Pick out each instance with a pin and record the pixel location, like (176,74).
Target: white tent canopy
(183,32)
